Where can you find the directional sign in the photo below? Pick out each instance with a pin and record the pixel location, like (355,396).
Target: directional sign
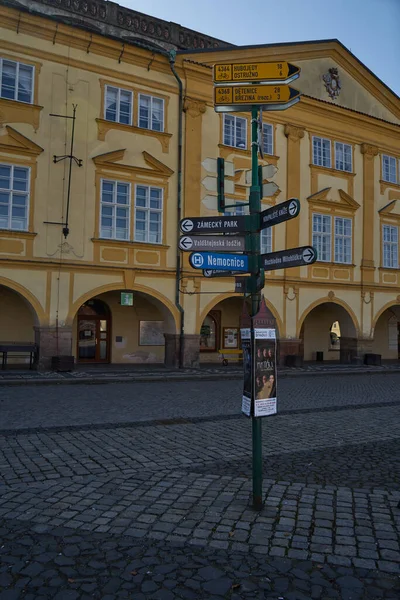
(210,165)
(224,262)
(220,243)
(276,71)
(269,189)
(218,273)
(296,257)
(279,213)
(254,94)
(211,184)
(213,225)
(267,172)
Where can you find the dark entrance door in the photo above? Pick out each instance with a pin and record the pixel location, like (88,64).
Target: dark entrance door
(93,337)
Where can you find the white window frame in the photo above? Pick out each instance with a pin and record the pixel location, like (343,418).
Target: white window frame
(18,64)
(115,206)
(235,119)
(268,148)
(322,234)
(11,192)
(118,104)
(390,169)
(319,159)
(149,210)
(392,246)
(342,164)
(266,240)
(240,208)
(151,112)
(337,237)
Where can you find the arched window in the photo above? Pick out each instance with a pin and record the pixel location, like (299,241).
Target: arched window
(208,334)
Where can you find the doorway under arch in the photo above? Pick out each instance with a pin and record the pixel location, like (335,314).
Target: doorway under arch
(220,330)
(94,331)
(328,333)
(122,327)
(387,334)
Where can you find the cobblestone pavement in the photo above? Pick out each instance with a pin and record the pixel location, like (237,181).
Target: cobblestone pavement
(161,509)
(54,405)
(153,373)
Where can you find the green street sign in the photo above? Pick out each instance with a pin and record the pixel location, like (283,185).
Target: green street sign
(126,298)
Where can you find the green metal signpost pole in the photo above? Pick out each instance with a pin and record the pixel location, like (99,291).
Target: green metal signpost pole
(255,208)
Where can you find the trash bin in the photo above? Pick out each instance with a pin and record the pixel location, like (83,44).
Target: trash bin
(373,359)
(293,360)
(62,363)
(319,356)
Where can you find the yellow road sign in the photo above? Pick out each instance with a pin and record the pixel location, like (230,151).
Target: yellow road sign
(254,94)
(240,72)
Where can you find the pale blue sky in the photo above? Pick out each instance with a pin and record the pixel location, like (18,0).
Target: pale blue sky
(369,28)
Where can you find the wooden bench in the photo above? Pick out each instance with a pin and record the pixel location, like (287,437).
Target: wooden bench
(9,349)
(230,352)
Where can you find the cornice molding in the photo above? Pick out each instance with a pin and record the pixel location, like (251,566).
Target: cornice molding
(18,143)
(111,159)
(321,198)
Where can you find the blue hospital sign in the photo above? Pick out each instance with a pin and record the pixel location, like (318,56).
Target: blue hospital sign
(223,262)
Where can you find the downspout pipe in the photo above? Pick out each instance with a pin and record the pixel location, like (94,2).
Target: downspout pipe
(172,58)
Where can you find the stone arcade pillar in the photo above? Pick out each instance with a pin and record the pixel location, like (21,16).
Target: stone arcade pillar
(190,350)
(52,341)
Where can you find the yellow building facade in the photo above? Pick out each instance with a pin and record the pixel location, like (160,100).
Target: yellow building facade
(116,288)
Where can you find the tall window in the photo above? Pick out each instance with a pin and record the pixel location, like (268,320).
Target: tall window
(343,240)
(148,214)
(343,157)
(115,210)
(266,240)
(151,113)
(16,81)
(14,197)
(321,152)
(390,235)
(118,105)
(322,236)
(268,138)
(389,169)
(235,131)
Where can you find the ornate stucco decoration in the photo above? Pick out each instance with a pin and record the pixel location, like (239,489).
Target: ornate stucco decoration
(332,82)
(293,133)
(194,108)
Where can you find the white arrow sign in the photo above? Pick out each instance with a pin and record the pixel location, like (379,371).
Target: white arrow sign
(308,255)
(185,243)
(210,183)
(210,165)
(293,208)
(186,225)
(268,171)
(269,189)
(211,202)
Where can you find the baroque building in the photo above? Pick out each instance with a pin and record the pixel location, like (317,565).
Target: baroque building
(89,257)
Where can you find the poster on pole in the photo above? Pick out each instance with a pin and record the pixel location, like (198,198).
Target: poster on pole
(247,371)
(245,335)
(265,380)
(264,364)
